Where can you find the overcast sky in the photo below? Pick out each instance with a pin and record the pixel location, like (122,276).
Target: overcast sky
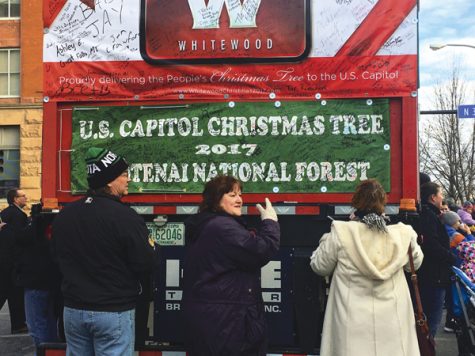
(445,21)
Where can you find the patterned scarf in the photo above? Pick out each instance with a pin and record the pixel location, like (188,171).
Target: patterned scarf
(374,221)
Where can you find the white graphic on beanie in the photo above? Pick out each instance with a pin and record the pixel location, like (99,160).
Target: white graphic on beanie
(108,159)
(91,168)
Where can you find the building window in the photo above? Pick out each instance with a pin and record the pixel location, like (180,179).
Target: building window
(9,158)
(9,72)
(9,8)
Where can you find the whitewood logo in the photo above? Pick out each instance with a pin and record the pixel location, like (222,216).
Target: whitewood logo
(224,31)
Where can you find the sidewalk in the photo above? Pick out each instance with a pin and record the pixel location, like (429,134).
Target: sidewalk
(22,345)
(446,344)
(13,345)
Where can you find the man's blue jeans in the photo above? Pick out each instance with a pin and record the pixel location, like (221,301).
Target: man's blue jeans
(40,315)
(432,299)
(90,333)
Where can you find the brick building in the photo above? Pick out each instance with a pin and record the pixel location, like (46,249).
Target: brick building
(21,113)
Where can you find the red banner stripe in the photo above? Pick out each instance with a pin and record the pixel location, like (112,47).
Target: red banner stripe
(51,9)
(339,77)
(89,3)
(382,21)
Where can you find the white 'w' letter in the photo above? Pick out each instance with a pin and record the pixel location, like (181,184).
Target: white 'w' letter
(240,15)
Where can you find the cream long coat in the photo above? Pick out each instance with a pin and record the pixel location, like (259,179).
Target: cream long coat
(369,310)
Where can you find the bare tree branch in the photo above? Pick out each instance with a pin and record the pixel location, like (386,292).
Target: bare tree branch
(447,145)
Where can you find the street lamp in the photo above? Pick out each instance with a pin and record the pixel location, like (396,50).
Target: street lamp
(437,46)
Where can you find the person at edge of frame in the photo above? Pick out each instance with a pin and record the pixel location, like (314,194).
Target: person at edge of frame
(38,273)
(435,272)
(12,221)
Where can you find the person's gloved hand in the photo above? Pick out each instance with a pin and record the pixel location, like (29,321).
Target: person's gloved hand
(268,212)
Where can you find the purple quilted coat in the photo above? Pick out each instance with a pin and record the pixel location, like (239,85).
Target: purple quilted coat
(223,309)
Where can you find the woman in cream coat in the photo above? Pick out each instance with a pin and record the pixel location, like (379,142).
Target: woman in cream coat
(369,310)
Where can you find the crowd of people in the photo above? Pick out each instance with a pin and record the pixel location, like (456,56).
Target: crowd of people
(445,230)
(81,283)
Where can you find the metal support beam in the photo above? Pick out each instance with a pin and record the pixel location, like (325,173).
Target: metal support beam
(437,112)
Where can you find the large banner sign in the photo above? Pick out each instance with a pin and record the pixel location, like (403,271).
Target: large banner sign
(282,147)
(229,49)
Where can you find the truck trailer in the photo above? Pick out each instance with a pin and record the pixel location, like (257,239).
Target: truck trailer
(300,100)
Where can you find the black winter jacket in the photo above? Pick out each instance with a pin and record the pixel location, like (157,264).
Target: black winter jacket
(103,251)
(435,270)
(14,217)
(15,220)
(222,294)
(35,268)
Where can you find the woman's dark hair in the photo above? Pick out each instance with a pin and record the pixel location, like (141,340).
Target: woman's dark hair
(369,197)
(423,178)
(427,190)
(214,191)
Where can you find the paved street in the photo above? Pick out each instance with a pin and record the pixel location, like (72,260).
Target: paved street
(446,344)
(22,345)
(13,345)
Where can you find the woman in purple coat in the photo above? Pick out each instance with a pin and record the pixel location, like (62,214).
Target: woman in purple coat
(223,308)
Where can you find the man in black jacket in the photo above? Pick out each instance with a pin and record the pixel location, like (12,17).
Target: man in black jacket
(103,251)
(14,219)
(39,276)
(434,273)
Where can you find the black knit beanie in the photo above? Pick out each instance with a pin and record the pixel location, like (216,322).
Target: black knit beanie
(103,166)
